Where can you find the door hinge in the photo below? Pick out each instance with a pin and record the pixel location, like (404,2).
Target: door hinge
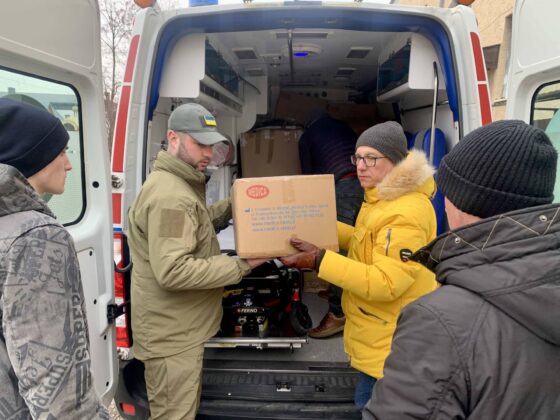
(114,311)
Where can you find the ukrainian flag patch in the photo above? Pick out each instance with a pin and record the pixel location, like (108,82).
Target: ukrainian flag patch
(209,120)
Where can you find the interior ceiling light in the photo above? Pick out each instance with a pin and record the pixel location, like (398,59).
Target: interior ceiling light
(303,50)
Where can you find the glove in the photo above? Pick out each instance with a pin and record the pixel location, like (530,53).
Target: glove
(307,258)
(301,260)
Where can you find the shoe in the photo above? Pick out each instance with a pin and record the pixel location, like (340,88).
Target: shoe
(323,294)
(329,326)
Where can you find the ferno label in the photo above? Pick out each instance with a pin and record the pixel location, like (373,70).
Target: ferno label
(257,191)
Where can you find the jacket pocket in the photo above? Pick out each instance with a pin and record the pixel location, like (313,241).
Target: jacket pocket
(374,317)
(364,239)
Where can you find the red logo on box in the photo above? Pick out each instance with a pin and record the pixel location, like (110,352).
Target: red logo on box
(257,191)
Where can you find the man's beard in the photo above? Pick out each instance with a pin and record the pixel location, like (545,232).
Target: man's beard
(184,156)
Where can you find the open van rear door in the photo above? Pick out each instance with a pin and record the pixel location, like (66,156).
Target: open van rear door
(535,54)
(50,56)
(534,76)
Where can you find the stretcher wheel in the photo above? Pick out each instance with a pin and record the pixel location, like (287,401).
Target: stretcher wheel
(299,318)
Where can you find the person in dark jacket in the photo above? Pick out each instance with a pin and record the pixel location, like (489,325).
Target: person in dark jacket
(486,344)
(325,147)
(45,365)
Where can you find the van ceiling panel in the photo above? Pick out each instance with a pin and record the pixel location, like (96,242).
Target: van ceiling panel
(328,53)
(302,35)
(367,19)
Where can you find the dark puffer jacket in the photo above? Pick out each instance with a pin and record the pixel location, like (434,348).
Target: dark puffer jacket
(45,365)
(486,345)
(325,148)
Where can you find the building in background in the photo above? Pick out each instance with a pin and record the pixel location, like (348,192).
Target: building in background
(494,25)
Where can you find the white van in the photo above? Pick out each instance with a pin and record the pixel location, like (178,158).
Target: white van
(260,68)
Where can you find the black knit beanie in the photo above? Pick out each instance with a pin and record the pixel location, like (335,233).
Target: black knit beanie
(503,166)
(388,138)
(30,138)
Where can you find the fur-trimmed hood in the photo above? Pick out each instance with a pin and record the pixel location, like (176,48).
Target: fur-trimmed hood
(413,174)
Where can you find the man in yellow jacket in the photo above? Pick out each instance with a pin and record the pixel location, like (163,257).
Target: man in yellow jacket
(396,219)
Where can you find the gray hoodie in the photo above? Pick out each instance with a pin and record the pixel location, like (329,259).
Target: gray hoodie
(44,344)
(485,345)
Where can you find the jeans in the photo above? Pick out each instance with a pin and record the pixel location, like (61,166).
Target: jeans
(349,199)
(335,304)
(364,389)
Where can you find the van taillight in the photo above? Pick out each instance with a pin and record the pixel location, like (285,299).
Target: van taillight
(128,409)
(121,292)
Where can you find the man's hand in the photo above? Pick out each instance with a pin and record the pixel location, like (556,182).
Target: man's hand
(303,246)
(301,260)
(305,259)
(255,262)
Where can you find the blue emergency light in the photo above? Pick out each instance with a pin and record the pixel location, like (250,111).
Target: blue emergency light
(195,3)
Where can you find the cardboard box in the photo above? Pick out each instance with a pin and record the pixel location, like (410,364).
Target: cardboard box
(267,212)
(298,108)
(270,152)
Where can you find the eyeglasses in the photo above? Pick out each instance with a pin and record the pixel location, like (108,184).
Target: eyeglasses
(369,160)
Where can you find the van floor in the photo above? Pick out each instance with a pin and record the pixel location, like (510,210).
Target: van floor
(326,350)
(311,382)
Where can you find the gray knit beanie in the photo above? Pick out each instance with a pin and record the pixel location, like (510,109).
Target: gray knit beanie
(507,165)
(388,138)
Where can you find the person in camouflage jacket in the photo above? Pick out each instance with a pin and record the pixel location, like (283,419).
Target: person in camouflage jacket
(45,366)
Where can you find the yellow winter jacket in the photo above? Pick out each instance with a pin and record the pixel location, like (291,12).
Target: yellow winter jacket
(396,219)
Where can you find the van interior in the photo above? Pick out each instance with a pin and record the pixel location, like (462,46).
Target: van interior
(262,85)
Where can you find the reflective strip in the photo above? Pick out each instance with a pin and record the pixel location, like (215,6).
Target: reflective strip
(120,130)
(483,93)
(131,60)
(117,214)
(122,111)
(478,57)
(485,108)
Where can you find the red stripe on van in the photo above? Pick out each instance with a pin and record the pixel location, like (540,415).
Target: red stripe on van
(120,130)
(131,60)
(478,57)
(117,199)
(485,109)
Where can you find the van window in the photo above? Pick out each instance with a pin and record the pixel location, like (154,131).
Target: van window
(545,114)
(61,101)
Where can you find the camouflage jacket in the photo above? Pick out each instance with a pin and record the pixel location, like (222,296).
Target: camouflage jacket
(44,344)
